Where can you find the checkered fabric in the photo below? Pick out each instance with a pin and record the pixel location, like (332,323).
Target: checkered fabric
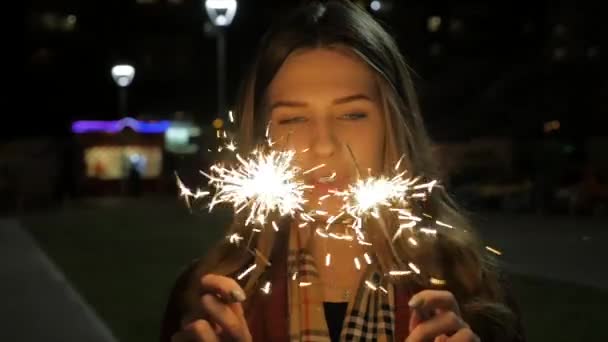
(370,313)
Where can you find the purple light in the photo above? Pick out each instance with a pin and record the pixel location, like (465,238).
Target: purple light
(86,126)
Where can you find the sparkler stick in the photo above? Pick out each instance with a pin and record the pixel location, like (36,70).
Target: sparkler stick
(352,155)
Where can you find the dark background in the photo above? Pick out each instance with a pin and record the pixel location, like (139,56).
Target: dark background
(492,68)
(513,93)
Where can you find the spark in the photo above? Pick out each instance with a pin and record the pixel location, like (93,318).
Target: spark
(429,186)
(371,285)
(428,231)
(231,146)
(305,150)
(307,217)
(264,183)
(235,238)
(443,224)
(313,169)
(327,259)
(414,267)
(321,212)
(333,219)
(403,226)
(217,133)
(341,236)
(399,273)
(275,227)
(368,260)
(230,116)
(413,241)
(246,272)
(186,193)
(266,288)
(304,283)
(357,263)
(383,289)
(436,281)
(321,233)
(399,163)
(324,197)
(302,225)
(495,251)
(293,277)
(224,134)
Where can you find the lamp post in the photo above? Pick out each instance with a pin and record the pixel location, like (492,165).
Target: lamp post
(221,13)
(122,74)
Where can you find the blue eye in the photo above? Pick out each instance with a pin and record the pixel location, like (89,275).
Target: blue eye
(293,120)
(354,116)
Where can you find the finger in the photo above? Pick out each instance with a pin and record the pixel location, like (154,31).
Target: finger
(442,338)
(464,335)
(228,289)
(430,300)
(415,319)
(199,331)
(224,316)
(446,323)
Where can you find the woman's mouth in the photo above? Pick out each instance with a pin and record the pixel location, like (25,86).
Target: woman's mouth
(325,184)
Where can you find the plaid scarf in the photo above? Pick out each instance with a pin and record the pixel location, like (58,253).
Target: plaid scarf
(369,316)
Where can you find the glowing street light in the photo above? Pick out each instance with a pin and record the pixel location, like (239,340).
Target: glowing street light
(123,74)
(221,13)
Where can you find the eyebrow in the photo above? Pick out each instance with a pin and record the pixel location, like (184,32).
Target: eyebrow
(340,100)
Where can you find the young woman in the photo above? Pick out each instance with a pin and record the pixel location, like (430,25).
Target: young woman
(331,82)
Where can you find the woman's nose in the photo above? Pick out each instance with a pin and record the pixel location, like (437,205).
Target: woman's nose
(324,140)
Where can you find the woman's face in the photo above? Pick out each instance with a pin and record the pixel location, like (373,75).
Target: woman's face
(323,102)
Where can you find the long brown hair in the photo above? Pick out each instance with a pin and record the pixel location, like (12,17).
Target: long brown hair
(455,255)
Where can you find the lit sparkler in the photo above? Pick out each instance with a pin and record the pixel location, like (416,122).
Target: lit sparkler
(264,183)
(187,194)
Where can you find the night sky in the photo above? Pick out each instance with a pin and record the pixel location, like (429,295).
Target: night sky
(500,69)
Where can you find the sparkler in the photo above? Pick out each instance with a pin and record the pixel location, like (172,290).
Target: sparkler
(186,193)
(267,181)
(367,197)
(264,183)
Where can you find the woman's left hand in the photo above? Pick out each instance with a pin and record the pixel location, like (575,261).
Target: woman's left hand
(436,317)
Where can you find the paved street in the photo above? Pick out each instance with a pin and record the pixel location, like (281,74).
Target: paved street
(38,304)
(42,305)
(563,248)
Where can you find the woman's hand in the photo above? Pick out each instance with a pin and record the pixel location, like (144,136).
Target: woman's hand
(218,316)
(436,317)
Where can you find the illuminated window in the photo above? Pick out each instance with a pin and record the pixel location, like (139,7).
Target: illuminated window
(115,162)
(433,23)
(559,53)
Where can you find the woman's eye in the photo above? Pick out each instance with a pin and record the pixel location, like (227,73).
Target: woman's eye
(354,116)
(292,120)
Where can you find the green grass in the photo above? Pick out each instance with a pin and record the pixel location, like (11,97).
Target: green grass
(123,256)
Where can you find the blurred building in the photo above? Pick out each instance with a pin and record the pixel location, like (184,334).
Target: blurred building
(130,157)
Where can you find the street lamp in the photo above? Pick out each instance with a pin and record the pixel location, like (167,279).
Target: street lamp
(123,75)
(221,13)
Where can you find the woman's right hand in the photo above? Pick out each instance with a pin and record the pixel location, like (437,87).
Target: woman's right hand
(218,315)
